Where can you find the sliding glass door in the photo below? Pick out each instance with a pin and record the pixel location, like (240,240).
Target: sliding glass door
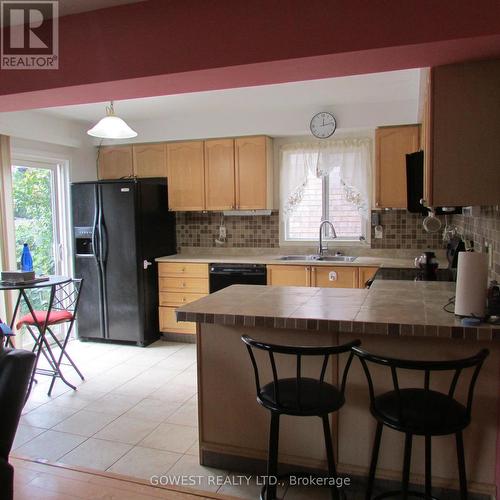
(40,206)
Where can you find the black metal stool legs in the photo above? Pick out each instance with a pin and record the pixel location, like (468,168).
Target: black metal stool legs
(272,460)
(332,471)
(406,466)
(461,466)
(428,467)
(373,464)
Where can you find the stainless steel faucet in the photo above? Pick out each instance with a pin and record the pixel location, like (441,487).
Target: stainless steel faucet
(322,249)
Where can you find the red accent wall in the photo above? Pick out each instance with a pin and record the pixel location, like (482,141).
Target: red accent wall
(168,46)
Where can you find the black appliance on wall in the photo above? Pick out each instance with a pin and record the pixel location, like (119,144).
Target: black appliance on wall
(120,227)
(224,275)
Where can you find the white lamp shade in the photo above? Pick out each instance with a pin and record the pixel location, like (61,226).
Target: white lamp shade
(112,127)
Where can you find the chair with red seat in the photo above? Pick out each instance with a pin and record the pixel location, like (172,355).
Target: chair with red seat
(64,311)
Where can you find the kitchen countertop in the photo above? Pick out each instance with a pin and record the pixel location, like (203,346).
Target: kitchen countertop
(275,259)
(394,308)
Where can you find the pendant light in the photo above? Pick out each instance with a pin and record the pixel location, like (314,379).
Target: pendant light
(111,127)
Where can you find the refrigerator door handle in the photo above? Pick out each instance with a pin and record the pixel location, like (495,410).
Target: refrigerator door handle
(95,242)
(102,263)
(104,237)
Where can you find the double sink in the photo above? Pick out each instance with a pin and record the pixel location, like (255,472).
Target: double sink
(321,258)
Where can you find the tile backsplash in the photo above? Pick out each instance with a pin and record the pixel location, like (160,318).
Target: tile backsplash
(198,229)
(485,227)
(401,230)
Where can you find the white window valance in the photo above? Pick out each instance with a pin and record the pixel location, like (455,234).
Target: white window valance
(351,155)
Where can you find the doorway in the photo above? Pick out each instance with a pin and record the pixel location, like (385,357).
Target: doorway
(40,205)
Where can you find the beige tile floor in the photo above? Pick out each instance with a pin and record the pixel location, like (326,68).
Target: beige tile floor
(135,414)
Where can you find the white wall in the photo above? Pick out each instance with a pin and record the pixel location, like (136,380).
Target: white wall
(293,121)
(39,134)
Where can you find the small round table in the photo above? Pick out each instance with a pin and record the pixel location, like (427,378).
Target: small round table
(52,282)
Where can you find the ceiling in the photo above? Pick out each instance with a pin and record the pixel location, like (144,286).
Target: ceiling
(360,101)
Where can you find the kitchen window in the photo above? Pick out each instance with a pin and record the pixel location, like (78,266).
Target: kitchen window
(322,181)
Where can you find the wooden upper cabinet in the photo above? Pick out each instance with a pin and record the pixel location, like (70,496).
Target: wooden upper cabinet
(253,174)
(216,174)
(283,275)
(334,277)
(150,160)
(186,178)
(392,144)
(219,174)
(115,162)
(463,165)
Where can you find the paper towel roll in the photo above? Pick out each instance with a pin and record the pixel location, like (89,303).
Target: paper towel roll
(472,284)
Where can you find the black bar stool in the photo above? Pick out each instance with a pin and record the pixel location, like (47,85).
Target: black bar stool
(299,396)
(420,412)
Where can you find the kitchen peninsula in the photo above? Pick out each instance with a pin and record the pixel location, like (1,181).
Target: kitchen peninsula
(397,318)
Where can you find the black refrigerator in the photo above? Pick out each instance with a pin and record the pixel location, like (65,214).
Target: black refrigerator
(119,228)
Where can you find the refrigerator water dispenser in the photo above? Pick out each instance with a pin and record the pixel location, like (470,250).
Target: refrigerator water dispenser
(83,241)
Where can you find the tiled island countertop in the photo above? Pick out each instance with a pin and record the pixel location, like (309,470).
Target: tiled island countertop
(394,308)
(401,319)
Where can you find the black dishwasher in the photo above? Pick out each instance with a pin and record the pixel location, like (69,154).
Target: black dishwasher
(224,275)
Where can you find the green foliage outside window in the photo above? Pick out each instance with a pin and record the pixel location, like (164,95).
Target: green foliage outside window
(32,199)
(33,216)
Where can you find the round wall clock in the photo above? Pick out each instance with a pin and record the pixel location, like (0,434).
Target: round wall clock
(323,125)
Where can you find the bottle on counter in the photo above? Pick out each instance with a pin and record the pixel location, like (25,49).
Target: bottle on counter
(428,265)
(493,299)
(26,259)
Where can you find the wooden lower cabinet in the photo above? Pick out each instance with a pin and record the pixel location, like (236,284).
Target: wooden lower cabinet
(365,274)
(334,277)
(182,269)
(282,275)
(179,284)
(183,284)
(320,276)
(168,323)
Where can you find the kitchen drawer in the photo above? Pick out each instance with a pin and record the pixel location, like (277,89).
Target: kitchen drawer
(180,284)
(168,323)
(182,269)
(178,298)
